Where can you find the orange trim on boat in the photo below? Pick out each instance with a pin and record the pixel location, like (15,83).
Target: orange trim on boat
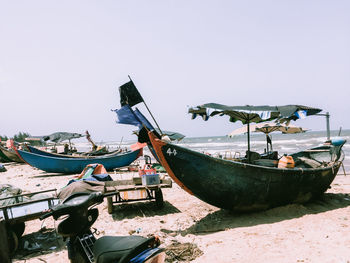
(157,145)
(15,149)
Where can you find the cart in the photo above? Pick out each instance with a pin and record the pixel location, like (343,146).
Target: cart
(15,215)
(127,191)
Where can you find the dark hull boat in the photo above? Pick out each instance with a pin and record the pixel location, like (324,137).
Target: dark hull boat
(242,186)
(76,165)
(3,157)
(11,155)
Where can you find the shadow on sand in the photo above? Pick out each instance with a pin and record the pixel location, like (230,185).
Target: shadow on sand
(223,219)
(44,174)
(143,209)
(44,241)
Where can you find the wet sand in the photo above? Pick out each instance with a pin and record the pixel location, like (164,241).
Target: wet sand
(198,232)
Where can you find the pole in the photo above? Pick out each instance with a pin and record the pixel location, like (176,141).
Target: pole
(339,131)
(148,110)
(328,129)
(120,144)
(248,141)
(327,124)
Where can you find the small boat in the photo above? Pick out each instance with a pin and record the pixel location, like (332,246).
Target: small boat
(11,154)
(256,181)
(3,157)
(242,186)
(65,165)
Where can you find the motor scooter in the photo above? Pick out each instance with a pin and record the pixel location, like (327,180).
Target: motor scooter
(82,245)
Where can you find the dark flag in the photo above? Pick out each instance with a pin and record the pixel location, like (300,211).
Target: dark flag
(129,94)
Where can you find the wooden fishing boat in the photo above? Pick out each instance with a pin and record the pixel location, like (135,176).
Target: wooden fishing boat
(255,182)
(55,164)
(242,186)
(11,154)
(3,157)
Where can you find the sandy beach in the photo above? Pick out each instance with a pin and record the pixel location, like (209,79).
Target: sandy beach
(194,231)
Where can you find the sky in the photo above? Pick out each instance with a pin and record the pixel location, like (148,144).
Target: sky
(61,62)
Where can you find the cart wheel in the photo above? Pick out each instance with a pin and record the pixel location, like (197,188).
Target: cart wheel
(18,229)
(12,241)
(109,205)
(159,198)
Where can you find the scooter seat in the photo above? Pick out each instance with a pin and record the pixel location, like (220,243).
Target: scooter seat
(117,249)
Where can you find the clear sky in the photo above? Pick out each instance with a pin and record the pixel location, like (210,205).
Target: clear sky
(61,62)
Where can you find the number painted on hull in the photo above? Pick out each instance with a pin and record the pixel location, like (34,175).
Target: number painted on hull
(171,152)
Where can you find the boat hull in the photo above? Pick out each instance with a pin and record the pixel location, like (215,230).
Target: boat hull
(241,186)
(11,155)
(3,157)
(76,165)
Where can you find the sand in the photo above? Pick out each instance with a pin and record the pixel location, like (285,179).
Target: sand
(198,232)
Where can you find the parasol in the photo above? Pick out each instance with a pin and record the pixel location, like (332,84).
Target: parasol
(267,128)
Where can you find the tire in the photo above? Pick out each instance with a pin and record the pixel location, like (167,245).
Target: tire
(159,198)
(18,229)
(12,241)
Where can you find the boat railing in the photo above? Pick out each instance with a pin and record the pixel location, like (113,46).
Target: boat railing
(230,155)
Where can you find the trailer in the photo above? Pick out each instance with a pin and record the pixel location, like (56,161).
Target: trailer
(15,215)
(136,189)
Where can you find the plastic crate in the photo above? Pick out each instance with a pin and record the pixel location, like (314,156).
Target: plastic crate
(150,179)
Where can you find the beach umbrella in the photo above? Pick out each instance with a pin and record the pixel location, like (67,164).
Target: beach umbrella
(254,114)
(267,128)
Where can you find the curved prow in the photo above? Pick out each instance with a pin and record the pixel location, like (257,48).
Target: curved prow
(157,145)
(337,144)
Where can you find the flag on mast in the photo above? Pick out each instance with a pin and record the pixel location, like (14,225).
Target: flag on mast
(129,94)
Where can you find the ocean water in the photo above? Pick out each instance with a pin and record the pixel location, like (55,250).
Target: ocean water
(283,143)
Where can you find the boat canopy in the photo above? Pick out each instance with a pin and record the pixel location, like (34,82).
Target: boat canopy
(61,136)
(248,114)
(256,114)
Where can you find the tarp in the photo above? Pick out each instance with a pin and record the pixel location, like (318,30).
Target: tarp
(56,137)
(61,136)
(254,114)
(126,115)
(268,128)
(249,114)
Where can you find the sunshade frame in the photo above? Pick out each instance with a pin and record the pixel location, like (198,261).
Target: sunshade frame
(247,114)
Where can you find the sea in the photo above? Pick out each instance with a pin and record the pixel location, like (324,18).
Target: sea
(237,146)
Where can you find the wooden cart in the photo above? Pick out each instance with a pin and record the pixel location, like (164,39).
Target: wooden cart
(127,191)
(15,215)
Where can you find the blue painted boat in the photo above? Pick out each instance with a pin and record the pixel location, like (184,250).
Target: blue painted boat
(76,165)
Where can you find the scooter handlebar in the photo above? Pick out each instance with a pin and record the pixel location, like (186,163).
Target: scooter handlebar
(46,215)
